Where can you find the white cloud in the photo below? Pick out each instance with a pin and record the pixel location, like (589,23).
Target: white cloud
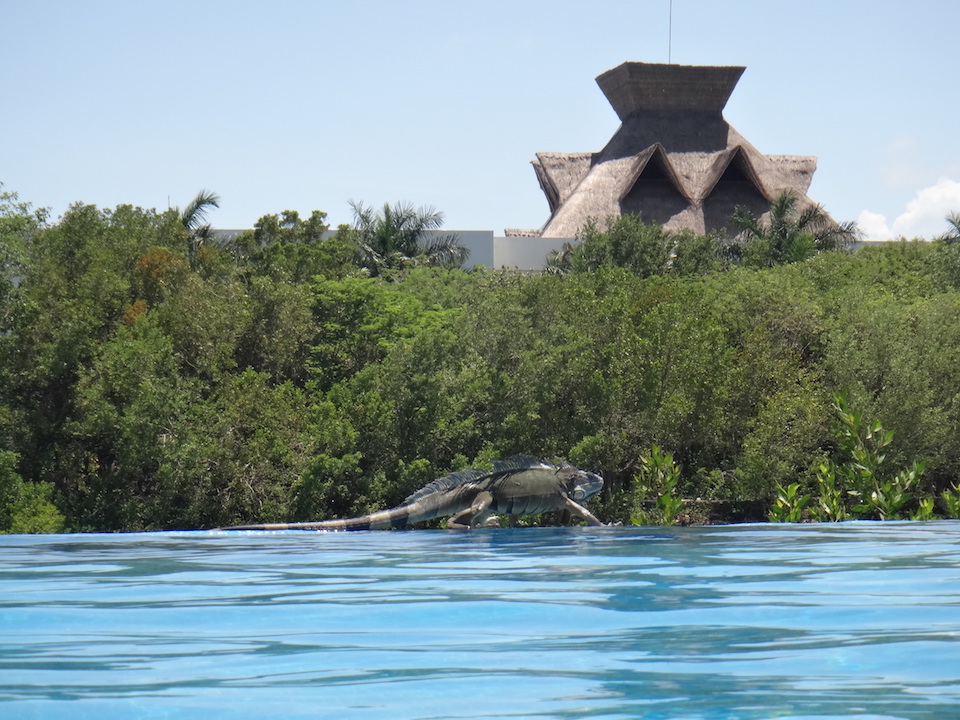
(929,208)
(873,226)
(924,215)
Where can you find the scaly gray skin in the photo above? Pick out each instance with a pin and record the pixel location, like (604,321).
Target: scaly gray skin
(519,486)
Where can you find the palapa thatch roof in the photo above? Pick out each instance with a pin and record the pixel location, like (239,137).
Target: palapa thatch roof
(674,158)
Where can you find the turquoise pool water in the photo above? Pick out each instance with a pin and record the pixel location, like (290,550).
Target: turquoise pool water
(859,620)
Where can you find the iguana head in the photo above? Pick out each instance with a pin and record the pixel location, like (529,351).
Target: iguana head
(583,485)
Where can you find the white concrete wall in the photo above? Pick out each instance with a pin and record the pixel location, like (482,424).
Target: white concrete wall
(522,253)
(480,243)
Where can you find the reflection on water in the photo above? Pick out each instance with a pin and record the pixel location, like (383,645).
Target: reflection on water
(858,620)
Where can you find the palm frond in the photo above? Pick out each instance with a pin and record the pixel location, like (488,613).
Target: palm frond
(790,232)
(445,251)
(395,235)
(194,215)
(954,220)
(836,236)
(746,223)
(811,219)
(952,235)
(783,205)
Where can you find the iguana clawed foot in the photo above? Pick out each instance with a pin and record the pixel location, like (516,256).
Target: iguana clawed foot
(493,521)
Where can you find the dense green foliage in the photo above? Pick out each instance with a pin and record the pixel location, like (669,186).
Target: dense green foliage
(151,381)
(645,249)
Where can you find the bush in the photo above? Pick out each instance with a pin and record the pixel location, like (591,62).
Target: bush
(25,507)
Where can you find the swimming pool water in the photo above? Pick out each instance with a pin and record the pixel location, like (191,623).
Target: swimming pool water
(858,620)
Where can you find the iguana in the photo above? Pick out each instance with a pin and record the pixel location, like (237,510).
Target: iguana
(521,485)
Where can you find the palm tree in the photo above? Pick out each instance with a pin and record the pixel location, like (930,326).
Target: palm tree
(193,218)
(561,261)
(397,235)
(952,235)
(790,234)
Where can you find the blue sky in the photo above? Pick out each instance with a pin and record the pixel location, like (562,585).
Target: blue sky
(289,104)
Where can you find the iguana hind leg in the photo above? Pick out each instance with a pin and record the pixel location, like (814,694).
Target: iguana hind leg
(576,508)
(474,516)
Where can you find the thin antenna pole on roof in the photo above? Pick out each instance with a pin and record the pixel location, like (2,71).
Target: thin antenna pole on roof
(670,36)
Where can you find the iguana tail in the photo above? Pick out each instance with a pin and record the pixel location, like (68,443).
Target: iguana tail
(384,520)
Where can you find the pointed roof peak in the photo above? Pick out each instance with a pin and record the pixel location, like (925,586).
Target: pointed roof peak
(652,87)
(658,155)
(735,161)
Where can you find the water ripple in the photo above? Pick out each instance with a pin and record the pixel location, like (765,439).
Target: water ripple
(858,620)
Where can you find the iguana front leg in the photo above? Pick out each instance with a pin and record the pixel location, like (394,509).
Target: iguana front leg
(578,509)
(474,516)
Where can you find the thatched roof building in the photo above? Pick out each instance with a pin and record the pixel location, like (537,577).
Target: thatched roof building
(674,159)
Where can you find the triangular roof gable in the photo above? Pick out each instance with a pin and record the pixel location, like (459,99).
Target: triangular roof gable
(560,173)
(653,154)
(732,160)
(547,185)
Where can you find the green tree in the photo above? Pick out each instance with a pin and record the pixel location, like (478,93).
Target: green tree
(952,235)
(659,475)
(131,412)
(398,235)
(896,356)
(789,504)
(561,261)
(78,285)
(288,228)
(288,247)
(155,447)
(19,223)
(25,507)
(626,242)
(645,249)
(698,254)
(279,331)
(205,319)
(791,233)
(251,441)
(861,472)
(358,320)
(194,220)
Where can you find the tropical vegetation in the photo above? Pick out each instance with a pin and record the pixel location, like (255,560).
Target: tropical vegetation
(399,235)
(294,372)
(789,233)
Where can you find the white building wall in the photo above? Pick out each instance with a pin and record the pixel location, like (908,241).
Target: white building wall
(521,253)
(525,253)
